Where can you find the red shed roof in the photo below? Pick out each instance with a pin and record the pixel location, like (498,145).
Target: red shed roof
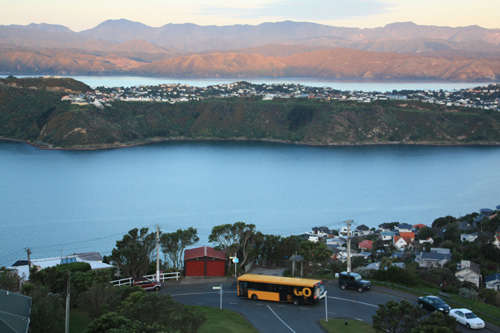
(204,251)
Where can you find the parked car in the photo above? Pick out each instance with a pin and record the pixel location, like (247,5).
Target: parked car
(147,284)
(353,281)
(467,318)
(433,303)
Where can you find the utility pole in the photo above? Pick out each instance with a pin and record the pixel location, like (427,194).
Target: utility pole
(348,222)
(28,251)
(157,253)
(66,328)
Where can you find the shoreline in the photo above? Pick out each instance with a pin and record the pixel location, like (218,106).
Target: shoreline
(43,146)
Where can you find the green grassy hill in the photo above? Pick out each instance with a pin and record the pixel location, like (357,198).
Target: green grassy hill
(33,111)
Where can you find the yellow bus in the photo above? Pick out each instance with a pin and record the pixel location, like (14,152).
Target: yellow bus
(281,289)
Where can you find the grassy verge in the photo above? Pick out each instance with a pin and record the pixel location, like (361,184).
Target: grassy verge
(455,301)
(222,321)
(338,325)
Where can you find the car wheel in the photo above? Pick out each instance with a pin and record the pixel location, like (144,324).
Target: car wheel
(360,289)
(254,297)
(296,301)
(468,325)
(157,288)
(343,286)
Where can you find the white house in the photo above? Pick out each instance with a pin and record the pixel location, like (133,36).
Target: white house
(441,250)
(432,259)
(94,259)
(493,281)
(343,231)
(362,230)
(469,272)
(387,235)
(399,242)
(403,227)
(428,240)
(335,241)
(468,237)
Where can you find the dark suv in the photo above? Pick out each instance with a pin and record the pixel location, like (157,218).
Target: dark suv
(354,281)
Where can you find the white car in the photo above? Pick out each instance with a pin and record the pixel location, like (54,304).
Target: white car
(467,318)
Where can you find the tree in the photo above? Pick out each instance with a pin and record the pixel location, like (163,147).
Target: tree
(233,239)
(174,243)
(425,233)
(437,322)
(394,317)
(452,233)
(133,253)
(9,280)
(99,299)
(443,221)
(47,311)
(149,312)
(314,252)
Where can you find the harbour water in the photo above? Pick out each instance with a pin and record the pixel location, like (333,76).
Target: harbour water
(79,201)
(339,84)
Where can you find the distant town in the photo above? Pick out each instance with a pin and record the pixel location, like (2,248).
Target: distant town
(487,97)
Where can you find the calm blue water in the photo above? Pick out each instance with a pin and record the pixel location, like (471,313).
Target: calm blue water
(80,201)
(339,84)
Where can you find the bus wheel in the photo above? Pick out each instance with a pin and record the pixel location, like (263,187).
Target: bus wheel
(254,297)
(296,301)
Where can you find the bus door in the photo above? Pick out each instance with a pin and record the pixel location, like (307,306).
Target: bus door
(243,289)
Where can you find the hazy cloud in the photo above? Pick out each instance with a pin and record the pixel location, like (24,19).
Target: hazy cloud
(299,10)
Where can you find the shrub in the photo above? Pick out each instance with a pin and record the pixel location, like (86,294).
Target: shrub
(468,293)
(490,296)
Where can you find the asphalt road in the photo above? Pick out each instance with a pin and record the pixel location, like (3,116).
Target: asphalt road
(282,317)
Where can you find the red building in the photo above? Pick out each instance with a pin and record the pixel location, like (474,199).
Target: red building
(205,261)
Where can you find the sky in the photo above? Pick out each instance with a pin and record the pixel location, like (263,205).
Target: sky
(82,15)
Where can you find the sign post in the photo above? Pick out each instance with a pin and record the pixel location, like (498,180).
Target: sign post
(326,306)
(220,292)
(235,260)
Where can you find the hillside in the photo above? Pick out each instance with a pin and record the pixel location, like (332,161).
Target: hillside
(40,117)
(281,49)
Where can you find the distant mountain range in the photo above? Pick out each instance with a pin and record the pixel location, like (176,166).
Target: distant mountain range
(398,50)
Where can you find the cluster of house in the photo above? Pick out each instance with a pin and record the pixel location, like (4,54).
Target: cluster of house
(402,237)
(483,97)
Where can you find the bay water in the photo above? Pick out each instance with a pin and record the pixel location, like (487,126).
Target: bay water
(62,202)
(340,84)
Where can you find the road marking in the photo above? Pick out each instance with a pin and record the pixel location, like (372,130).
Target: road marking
(280,319)
(349,300)
(358,319)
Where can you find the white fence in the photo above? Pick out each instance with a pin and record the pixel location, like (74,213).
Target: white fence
(130,281)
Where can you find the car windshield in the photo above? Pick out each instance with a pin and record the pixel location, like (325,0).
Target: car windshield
(470,315)
(438,301)
(357,277)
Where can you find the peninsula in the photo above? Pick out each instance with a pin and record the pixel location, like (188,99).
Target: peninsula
(62,113)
